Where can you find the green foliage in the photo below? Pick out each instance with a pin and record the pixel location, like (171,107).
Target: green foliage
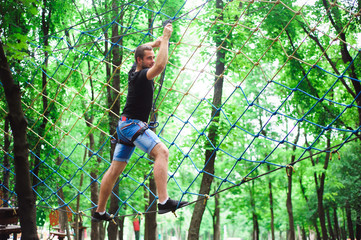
(262,85)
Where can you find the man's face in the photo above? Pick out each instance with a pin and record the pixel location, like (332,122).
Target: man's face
(148,59)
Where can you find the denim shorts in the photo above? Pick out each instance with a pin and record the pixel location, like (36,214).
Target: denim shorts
(125,130)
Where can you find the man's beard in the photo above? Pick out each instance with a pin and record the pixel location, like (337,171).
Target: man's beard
(144,66)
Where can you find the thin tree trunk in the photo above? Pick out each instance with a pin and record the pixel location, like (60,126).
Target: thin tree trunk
(319,183)
(255,232)
(150,223)
(320,209)
(304,236)
(94,186)
(291,234)
(358,227)
(217,219)
(45,26)
(314,218)
(150,228)
(97,228)
(335,222)
(271,205)
(351,233)
(330,230)
(18,123)
(63,217)
(343,232)
(291,224)
(121,220)
(114,106)
(99,232)
(320,190)
(78,219)
(210,155)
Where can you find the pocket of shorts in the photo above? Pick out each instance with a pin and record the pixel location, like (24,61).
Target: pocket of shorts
(129,130)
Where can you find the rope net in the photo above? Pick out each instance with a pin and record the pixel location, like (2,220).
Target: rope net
(276,86)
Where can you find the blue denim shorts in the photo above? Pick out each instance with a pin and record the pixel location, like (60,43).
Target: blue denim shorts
(125,130)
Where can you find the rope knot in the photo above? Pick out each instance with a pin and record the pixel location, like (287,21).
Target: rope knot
(112,216)
(289,170)
(206,197)
(335,151)
(139,214)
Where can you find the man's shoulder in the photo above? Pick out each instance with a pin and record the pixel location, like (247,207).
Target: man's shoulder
(142,74)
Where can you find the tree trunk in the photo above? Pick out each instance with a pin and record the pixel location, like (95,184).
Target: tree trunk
(336,226)
(330,230)
(99,232)
(78,220)
(320,209)
(320,190)
(314,218)
(45,26)
(358,227)
(150,225)
(217,219)
(63,216)
(351,234)
(304,236)
(121,228)
(94,188)
(114,106)
(210,154)
(18,123)
(255,232)
(291,235)
(271,205)
(343,232)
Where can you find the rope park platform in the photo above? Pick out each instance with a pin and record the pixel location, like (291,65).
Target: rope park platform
(269,98)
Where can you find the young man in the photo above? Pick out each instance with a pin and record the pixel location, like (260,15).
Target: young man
(132,128)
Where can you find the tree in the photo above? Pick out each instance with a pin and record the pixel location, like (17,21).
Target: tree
(18,125)
(210,154)
(289,192)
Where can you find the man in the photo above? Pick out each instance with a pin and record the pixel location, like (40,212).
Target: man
(132,130)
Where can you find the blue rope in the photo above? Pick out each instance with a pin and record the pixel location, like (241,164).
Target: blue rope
(187,150)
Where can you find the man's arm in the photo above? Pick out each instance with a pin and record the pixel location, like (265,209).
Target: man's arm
(162,57)
(156,43)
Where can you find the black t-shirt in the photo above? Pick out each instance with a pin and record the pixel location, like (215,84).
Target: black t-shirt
(140,95)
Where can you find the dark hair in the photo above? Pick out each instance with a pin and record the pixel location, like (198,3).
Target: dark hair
(139,51)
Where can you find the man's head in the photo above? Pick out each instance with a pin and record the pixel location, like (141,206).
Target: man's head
(144,56)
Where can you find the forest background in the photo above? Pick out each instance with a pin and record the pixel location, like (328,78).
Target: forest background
(250,88)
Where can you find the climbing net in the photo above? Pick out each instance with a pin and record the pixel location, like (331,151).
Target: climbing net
(276,84)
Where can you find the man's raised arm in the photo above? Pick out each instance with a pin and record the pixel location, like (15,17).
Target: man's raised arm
(156,43)
(162,57)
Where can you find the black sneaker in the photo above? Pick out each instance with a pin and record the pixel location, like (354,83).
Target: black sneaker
(170,205)
(99,217)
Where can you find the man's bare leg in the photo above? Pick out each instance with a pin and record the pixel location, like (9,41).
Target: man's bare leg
(107,184)
(160,153)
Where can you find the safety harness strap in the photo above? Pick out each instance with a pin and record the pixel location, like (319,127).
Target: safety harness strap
(135,136)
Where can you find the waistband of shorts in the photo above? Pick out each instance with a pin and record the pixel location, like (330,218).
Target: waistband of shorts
(124,118)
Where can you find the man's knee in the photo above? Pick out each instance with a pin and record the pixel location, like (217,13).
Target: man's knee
(115,169)
(160,150)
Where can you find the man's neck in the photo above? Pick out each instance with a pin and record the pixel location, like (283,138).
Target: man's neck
(138,68)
